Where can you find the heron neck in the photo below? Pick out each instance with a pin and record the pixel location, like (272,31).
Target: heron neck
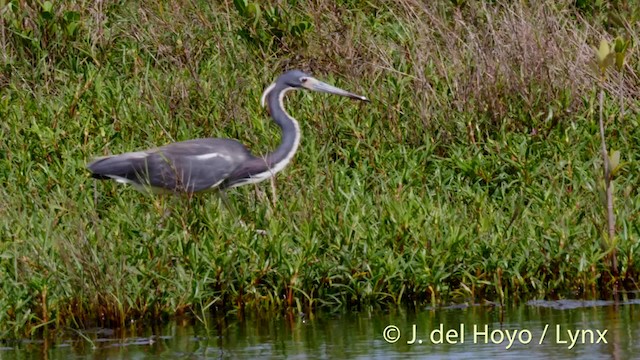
(290,140)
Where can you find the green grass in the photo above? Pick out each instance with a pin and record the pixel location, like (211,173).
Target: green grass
(456,183)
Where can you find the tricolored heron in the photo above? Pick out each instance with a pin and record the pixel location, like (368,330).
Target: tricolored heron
(205,164)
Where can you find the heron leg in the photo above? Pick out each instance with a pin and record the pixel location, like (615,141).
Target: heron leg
(262,196)
(274,195)
(95,194)
(162,208)
(225,201)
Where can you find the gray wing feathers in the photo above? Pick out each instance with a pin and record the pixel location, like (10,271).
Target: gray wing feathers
(187,172)
(187,166)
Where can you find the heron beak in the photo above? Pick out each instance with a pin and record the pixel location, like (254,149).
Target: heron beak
(317,85)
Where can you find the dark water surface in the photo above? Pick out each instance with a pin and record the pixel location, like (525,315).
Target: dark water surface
(539,329)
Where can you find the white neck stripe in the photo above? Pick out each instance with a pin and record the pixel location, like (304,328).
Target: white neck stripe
(263,98)
(280,165)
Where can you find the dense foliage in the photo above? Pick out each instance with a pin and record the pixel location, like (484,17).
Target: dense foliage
(474,174)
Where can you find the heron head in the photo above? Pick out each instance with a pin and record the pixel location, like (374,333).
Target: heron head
(297,79)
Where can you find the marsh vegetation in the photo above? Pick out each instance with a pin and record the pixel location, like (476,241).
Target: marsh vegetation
(474,174)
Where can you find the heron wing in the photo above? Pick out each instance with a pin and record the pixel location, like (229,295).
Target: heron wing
(187,166)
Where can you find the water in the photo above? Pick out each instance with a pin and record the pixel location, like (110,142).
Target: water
(604,330)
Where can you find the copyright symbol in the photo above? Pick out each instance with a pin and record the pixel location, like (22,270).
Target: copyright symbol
(391,334)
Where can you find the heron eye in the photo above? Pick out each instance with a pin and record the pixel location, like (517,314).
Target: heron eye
(304,80)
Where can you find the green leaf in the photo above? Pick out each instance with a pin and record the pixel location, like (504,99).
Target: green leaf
(616,20)
(603,52)
(47,6)
(241,6)
(300,28)
(620,45)
(71,16)
(71,28)
(602,193)
(254,13)
(273,16)
(620,61)
(47,10)
(614,160)
(612,186)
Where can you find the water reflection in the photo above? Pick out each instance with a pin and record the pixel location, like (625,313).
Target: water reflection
(535,330)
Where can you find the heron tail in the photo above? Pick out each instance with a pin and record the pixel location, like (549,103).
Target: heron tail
(125,166)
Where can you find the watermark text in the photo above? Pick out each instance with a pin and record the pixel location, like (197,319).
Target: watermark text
(484,334)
